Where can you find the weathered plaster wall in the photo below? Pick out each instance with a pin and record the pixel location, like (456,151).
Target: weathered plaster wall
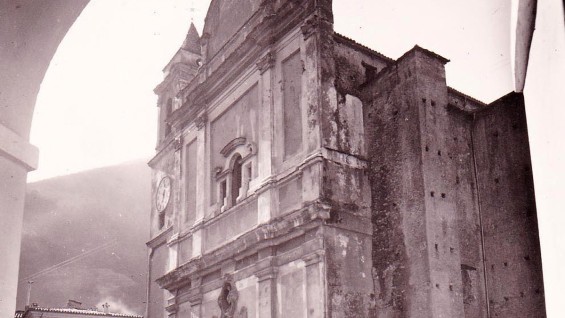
(158,263)
(291,290)
(237,221)
(355,65)
(364,202)
(210,304)
(346,188)
(247,301)
(240,120)
(348,272)
(224,19)
(507,203)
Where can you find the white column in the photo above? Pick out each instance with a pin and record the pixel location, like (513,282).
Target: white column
(17,157)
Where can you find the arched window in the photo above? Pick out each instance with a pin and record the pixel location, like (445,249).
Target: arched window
(235,179)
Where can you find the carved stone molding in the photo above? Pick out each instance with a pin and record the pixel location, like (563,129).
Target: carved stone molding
(266,274)
(266,62)
(172,308)
(310,27)
(177,143)
(195,299)
(230,146)
(200,121)
(313,258)
(313,25)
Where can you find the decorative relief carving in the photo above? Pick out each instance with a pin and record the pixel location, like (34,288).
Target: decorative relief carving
(177,143)
(310,27)
(227,301)
(172,309)
(267,274)
(313,25)
(313,258)
(266,62)
(177,102)
(200,121)
(230,146)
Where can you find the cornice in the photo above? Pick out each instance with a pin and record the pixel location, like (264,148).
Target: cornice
(266,62)
(262,236)
(160,239)
(469,104)
(271,28)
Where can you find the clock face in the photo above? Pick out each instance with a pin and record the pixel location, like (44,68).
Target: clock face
(163,194)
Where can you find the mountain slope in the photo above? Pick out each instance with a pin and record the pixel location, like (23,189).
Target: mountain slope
(96,224)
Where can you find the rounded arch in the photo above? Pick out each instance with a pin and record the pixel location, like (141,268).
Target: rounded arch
(24,62)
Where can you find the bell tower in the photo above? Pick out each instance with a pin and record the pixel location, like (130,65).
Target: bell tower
(301,174)
(166,170)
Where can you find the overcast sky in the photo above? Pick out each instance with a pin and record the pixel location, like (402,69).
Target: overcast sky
(96,106)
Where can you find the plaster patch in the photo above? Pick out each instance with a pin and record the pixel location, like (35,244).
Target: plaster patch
(343,240)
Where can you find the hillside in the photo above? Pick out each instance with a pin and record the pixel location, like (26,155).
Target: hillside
(97,223)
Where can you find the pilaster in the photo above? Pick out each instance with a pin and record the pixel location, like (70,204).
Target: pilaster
(201,123)
(195,301)
(265,147)
(267,292)
(315,293)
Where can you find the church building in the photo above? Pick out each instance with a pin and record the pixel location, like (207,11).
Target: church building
(300,174)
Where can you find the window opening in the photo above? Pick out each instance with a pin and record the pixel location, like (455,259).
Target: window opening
(168,111)
(236,180)
(161,220)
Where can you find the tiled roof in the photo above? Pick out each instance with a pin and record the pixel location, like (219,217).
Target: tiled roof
(454,91)
(75,311)
(344,39)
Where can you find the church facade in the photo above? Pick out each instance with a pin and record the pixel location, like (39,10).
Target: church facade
(301,174)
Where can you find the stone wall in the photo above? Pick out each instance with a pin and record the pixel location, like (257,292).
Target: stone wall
(506,199)
(364,199)
(470,246)
(455,229)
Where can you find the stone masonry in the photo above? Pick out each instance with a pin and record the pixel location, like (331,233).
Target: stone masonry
(301,174)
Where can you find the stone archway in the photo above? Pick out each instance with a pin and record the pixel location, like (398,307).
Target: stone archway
(30,32)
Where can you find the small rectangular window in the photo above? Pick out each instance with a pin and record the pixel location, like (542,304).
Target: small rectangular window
(161,220)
